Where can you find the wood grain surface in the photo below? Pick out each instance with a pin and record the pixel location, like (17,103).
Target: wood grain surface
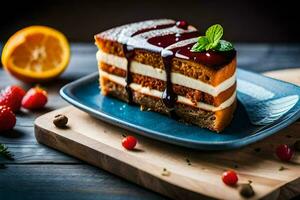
(288,75)
(99,144)
(39,172)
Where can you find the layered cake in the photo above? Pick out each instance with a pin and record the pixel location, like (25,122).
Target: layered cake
(164,66)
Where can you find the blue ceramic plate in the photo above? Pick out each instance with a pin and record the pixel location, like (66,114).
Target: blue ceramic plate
(84,94)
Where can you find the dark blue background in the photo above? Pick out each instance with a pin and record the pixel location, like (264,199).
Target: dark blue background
(244,21)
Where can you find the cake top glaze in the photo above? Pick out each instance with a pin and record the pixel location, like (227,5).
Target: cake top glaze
(159,35)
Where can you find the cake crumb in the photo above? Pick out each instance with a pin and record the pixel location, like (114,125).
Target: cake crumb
(281,168)
(60,121)
(188,161)
(165,172)
(144,108)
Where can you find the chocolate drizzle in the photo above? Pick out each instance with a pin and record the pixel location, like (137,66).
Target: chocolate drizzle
(171,39)
(128,52)
(169,97)
(167,40)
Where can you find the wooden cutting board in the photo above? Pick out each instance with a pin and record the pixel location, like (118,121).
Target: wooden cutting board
(165,168)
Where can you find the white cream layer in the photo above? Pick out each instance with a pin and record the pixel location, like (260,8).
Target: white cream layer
(177,78)
(157,93)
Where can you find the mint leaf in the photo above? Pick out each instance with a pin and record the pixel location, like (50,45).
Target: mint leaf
(200,45)
(214,34)
(203,39)
(5,153)
(210,46)
(212,40)
(224,45)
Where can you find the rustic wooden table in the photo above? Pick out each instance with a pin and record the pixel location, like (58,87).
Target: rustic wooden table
(42,173)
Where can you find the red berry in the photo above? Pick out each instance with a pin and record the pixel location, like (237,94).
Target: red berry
(7,118)
(230,177)
(129,142)
(284,152)
(35,98)
(182,24)
(12,97)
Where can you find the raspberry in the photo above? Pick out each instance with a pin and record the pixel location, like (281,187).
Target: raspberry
(230,177)
(129,142)
(284,152)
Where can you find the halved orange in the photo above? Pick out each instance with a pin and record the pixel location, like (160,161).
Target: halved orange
(36,54)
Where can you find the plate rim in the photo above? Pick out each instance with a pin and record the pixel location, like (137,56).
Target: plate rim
(266,131)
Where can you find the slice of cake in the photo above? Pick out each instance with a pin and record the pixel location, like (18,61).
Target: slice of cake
(164,66)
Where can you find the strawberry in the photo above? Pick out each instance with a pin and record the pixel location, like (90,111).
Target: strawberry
(7,118)
(12,97)
(34,99)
